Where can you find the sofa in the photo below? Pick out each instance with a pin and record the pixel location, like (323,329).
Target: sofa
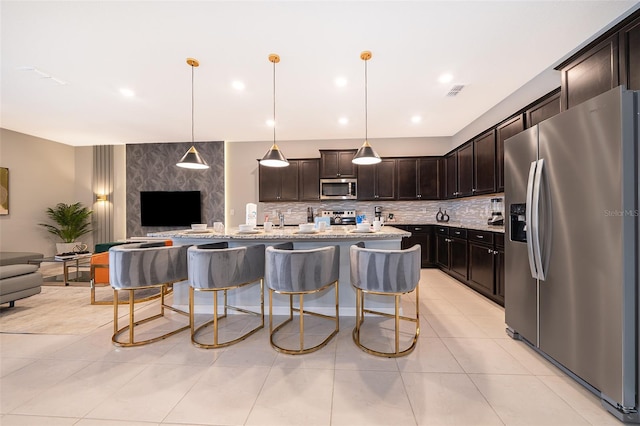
(18,279)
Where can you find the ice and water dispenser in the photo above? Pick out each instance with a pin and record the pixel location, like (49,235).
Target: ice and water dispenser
(518,222)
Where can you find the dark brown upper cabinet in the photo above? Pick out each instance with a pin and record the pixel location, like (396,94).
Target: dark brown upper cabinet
(504,131)
(377,182)
(451,174)
(278,183)
(336,163)
(418,178)
(309,179)
(545,107)
(591,73)
(465,170)
(629,38)
(484,163)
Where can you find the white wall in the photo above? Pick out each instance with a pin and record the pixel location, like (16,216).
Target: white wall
(241,166)
(42,173)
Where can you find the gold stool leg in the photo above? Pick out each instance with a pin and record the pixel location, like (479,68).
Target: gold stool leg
(131,320)
(301,312)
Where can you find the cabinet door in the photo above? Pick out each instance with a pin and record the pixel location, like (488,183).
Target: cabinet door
(289,181)
(481,267)
(459,258)
(630,55)
(309,179)
(442,251)
(385,179)
(429,178)
(484,163)
(465,170)
(407,178)
(451,165)
(545,108)
(592,73)
(346,168)
(269,183)
(423,235)
(366,182)
(503,132)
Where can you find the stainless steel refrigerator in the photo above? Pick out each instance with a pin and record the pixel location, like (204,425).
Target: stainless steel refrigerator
(571,256)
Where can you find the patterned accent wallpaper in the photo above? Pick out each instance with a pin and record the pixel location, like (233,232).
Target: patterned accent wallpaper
(152,167)
(470,211)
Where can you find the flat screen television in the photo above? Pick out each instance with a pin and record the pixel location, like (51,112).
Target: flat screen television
(170,208)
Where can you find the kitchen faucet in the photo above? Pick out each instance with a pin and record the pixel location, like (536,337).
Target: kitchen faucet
(281,219)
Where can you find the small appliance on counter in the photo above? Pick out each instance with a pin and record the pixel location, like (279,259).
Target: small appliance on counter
(251,214)
(496,218)
(340,217)
(377,212)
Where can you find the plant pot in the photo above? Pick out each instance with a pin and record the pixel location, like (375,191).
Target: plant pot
(70,247)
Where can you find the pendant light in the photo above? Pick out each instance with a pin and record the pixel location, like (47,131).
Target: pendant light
(192,159)
(366,154)
(274,157)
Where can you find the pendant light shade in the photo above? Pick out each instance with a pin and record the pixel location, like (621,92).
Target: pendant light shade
(366,154)
(192,159)
(274,157)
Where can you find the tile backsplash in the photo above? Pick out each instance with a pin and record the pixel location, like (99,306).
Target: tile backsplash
(474,210)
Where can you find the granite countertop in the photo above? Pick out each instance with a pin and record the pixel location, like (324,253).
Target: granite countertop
(342,232)
(456,224)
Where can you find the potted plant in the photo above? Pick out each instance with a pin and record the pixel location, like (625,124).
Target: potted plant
(72,221)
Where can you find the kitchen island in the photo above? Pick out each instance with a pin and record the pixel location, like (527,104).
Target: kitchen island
(344,236)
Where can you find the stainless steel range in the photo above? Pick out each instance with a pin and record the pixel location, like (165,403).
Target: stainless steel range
(340,217)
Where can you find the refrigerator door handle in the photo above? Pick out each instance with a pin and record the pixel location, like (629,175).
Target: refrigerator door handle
(530,227)
(535,219)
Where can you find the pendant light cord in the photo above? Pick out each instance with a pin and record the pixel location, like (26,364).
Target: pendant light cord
(192,138)
(274,102)
(366,109)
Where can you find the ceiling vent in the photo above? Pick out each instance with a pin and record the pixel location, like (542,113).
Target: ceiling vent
(455,90)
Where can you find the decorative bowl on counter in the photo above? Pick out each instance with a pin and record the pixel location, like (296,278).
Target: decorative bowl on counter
(245,227)
(306,227)
(199,226)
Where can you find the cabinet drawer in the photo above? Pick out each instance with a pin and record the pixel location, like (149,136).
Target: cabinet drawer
(418,229)
(443,230)
(458,233)
(480,236)
(499,239)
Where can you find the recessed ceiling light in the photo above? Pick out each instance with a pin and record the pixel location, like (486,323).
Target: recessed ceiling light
(445,78)
(271,123)
(416,119)
(341,81)
(238,85)
(127,93)
(343,120)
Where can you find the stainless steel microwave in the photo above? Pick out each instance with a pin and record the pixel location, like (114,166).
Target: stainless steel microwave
(338,189)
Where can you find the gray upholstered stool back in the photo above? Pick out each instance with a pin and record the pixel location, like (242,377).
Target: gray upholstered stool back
(301,270)
(141,265)
(385,271)
(225,267)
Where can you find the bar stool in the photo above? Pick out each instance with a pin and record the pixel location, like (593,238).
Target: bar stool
(301,272)
(135,267)
(99,270)
(388,273)
(215,268)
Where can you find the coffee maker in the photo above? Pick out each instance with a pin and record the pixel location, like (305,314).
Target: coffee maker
(496,218)
(377,212)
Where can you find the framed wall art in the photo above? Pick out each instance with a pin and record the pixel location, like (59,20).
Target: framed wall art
(4,191)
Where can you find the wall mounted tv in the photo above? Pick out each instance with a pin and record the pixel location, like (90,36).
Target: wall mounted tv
(170,208)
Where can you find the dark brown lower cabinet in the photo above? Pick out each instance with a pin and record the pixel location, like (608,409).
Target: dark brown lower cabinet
(423,235)
(486,264)
(451,251)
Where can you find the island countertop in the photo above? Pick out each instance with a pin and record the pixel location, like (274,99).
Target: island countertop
(336,232)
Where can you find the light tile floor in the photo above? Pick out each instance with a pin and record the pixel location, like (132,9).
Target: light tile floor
(465,371)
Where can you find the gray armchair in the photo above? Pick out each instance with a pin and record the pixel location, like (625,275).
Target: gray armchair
(134,267)
(214,268)
(388,273)
(301,272)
